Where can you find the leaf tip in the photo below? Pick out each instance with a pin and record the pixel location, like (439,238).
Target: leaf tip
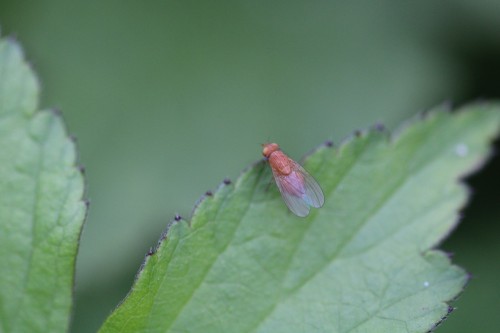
(14,41)
(151,252)
(207,194)
(328,143)
(325,145)
(81,168)
(56,111)
(448,105)
(12,38)
(379,127)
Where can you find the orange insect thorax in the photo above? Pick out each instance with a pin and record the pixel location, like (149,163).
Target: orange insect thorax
(277,159)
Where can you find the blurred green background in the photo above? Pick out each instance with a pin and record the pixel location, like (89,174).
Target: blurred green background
(168,98)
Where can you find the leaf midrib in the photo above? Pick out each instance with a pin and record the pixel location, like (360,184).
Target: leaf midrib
(34,221)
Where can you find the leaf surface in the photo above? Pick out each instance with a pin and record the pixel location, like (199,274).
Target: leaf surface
(364,262)
(41,207)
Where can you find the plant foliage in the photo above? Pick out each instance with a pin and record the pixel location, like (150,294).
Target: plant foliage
(363,263)
(41,207)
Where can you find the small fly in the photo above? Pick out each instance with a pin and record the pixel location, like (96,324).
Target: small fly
(298,188)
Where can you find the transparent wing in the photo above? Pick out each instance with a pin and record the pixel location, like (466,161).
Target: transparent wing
(289,190)
(313,195)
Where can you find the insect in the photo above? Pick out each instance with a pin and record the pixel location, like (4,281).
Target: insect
(298,188)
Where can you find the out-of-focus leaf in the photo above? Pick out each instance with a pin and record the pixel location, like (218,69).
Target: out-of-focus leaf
(362,263)
(41,207)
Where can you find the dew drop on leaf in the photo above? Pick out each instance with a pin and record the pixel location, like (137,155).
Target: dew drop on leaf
(461,149)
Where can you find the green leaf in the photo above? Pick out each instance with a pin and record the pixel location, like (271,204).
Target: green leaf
(41,208)
(362,263)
